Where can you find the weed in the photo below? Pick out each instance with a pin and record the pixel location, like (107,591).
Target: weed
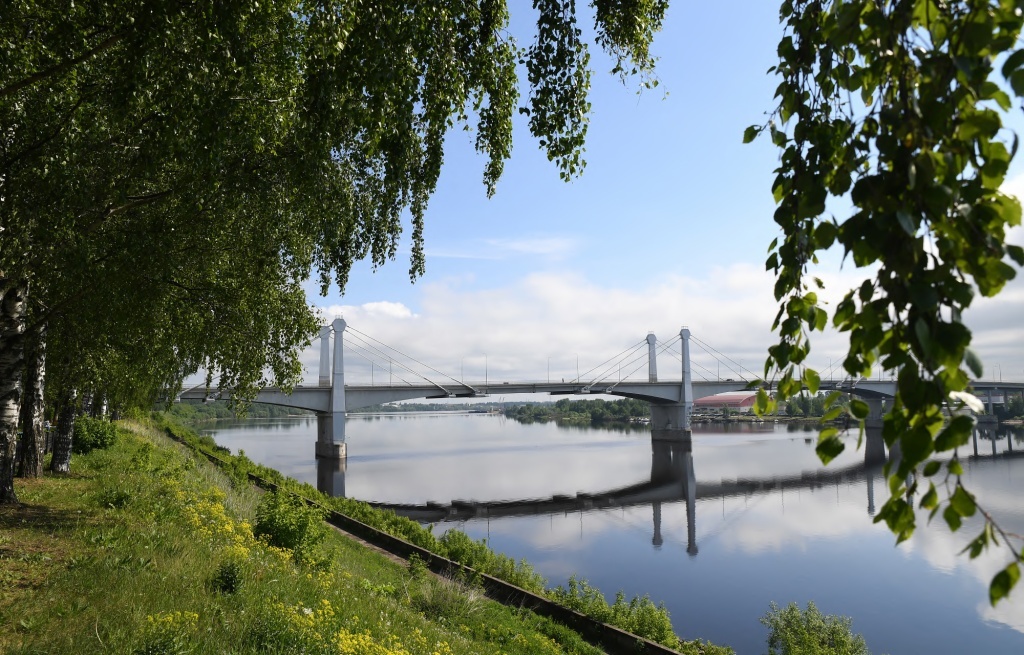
(228,578)
(92,433)
(287,522)
(445,600)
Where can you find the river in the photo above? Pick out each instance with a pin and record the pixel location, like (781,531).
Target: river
(717,531)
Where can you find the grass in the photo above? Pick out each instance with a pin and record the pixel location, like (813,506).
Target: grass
(639,615)
(147,549)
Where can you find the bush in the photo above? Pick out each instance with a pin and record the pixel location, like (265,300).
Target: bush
(228,578)
(793,631)
(288,522)
(639,616)
(92,434)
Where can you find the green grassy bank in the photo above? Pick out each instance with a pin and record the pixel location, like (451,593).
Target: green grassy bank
(148,548)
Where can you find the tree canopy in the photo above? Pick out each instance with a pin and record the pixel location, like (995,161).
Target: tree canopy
(171,174)
(897,109)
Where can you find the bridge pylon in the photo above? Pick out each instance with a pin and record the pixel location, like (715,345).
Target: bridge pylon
(671,420)
(330,425)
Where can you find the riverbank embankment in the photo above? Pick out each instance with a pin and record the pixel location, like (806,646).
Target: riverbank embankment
(149,548)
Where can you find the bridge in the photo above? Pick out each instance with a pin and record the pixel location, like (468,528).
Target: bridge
(671,401)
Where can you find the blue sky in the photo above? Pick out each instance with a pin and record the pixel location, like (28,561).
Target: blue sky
(668,226)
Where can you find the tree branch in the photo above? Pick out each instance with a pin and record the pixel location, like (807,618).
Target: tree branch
(65,66)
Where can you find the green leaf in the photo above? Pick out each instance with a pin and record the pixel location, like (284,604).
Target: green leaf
(916,444)
(954,467)
(829,447)
(953,519)
(751,133)
(1017,82)
(930,500)
(1013,62)
(962,502)
(955,434)
(811,380)
(1003,582)
(977,545)
(832,414)
(906,221)
(931,468)
(859,408)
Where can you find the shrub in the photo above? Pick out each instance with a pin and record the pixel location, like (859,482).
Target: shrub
(228,578)
(639,616)
(92,434)
(792,631)
(288,522)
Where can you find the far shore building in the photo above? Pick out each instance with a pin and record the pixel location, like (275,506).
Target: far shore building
(737,402)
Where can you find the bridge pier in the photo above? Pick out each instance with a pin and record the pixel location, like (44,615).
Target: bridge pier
(330,425)
(876,413)
(330,476)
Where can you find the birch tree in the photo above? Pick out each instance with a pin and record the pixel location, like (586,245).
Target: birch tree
(195,163)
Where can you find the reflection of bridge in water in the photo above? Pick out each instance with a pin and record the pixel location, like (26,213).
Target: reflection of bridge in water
(672,480)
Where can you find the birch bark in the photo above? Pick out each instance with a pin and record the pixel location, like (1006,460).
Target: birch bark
(33,434)
(12,361)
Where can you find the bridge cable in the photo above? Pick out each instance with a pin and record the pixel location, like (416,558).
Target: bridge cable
(610,359)
(413,359)
(693,362)
(459,382)
(359,349)
(720,361)
(391,373)
(679,358)
(357,343)
(370,346)
(642,364)
(641,357)
(618,360)
(742,368)
(711,349)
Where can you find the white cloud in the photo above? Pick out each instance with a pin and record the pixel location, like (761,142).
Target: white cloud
(517,331)
(514,330)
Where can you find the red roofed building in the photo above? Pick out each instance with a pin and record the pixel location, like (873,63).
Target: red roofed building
(735,401)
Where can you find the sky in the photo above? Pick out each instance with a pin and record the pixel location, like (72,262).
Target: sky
(668,226)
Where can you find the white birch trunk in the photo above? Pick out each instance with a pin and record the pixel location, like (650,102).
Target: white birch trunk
(60,462)
(33,432)
(12,361)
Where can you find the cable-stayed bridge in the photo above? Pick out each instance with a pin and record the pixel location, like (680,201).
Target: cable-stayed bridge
(671,400)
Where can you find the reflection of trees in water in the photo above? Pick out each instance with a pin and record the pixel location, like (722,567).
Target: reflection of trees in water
(259,424)
(801,427)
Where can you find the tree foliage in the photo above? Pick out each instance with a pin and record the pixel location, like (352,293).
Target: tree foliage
(792,631)
(895,109)
(171,174)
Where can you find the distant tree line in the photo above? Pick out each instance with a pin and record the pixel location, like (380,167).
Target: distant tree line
(581,412)
(1013,408)
(806,405)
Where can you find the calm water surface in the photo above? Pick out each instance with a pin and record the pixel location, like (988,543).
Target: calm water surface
(764,522)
